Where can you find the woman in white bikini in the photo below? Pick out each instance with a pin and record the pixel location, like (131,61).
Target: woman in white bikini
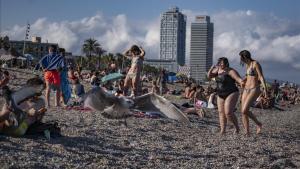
(136,54)
(254,77)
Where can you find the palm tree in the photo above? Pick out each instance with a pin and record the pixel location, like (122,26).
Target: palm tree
(91,47)
(120,60)
(107,59)
(99,53)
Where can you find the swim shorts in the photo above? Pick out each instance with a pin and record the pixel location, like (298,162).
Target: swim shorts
(52,76)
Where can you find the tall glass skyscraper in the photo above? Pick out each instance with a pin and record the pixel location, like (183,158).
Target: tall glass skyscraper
(172,36)
(201,52)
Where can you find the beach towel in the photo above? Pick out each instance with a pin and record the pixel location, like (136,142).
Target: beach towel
(65,86)
(51,61)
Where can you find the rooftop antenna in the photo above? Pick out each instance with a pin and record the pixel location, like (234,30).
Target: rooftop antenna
(26,36)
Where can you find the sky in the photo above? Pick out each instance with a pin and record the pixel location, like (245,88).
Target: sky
(269,29)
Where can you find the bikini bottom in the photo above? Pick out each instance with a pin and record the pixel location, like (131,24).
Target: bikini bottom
(252,89)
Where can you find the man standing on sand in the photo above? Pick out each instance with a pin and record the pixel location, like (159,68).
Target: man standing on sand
(50,64)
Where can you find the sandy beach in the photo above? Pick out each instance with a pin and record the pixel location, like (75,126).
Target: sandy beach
(90,141)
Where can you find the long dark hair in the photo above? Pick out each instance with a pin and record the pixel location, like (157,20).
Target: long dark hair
(224,60)
(135,49)
(245,57)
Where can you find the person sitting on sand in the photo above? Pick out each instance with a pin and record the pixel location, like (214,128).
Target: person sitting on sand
(77,89)
(192,92)
(121,85)
(5,79)
(155,88)
(199,102)
(95,80)
(162,81)
(297,97)
(119,93)
(187,90)
(254,77)
(261,102)
(227,91)
(199,94)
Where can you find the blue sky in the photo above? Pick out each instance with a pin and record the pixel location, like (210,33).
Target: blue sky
(270,29)
(58,10)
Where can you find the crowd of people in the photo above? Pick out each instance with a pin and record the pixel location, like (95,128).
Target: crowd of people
(223,93)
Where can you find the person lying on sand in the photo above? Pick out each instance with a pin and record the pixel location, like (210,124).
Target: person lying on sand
(22,108)
(33,109)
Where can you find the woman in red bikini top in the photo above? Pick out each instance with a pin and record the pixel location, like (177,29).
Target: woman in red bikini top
(254,76)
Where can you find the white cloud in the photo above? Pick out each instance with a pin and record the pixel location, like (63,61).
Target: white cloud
(115,34)
(268,37)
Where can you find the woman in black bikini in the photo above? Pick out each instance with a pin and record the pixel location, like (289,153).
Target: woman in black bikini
(227,92)
(254,76)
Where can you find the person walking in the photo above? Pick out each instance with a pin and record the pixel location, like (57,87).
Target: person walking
(254,77)
(227,91)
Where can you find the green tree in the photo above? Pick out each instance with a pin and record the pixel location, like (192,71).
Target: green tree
(147,69)
(107,59)
(91,48)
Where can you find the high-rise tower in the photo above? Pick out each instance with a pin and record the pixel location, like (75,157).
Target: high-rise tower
(172,36)
(201,52)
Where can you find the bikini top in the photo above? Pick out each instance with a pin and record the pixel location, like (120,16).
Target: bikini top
(251,71)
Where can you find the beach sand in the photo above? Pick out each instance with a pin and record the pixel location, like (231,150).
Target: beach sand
(90,141)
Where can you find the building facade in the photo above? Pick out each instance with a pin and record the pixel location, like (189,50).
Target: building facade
(34,47)
(172,36)
(169,65)
(201,51)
